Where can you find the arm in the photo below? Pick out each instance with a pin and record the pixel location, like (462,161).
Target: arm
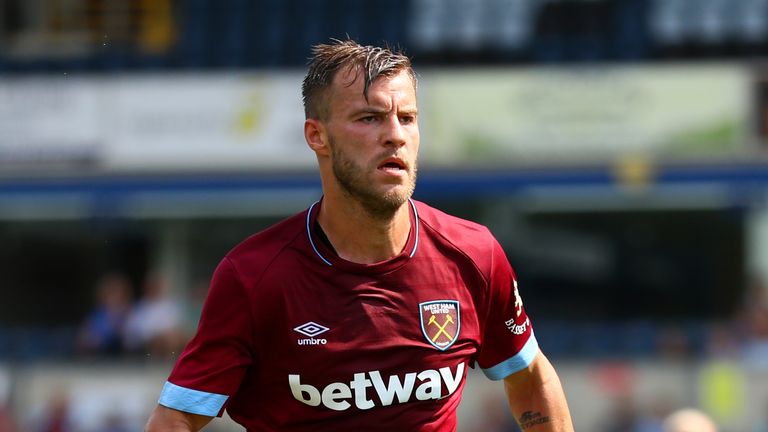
(536,398)
(213,363)
(165,419)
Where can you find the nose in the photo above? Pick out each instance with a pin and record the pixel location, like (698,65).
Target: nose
(394,134)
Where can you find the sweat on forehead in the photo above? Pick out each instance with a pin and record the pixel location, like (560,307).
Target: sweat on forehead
(328,60)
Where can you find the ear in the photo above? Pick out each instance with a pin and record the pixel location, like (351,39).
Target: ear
(314,133)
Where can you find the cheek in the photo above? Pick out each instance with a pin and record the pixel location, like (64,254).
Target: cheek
(356,140)
(415,139)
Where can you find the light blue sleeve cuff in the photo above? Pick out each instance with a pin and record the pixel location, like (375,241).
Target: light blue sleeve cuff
(191,401)
(518,362)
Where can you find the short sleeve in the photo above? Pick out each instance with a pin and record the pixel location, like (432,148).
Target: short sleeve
(214,362)
(508,344)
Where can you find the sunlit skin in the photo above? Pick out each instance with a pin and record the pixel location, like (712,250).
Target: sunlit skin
(367,153)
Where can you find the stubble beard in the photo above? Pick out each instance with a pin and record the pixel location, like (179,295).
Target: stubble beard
(355,184)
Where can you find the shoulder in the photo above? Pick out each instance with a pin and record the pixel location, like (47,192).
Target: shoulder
(254,254)
(471,238)
(237,298)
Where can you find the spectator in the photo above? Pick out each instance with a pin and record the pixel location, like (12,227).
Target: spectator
(722,342)
(155,323)
(102,331)
(673,343)
(624,416)
(689,420)
(493,416)
(7,421)
(652,418)
(753,322)
(58,416)
(755,350)
(113,422)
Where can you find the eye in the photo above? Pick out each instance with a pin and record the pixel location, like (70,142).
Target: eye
(368,119)
(407,119)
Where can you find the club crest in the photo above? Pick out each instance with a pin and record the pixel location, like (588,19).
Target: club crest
(440,322)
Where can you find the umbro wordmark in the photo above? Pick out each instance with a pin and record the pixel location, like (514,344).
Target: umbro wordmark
(428,384)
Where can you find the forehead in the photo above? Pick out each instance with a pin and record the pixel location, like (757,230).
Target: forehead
(347,87)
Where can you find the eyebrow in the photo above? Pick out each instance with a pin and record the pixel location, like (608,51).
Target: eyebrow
(373,110)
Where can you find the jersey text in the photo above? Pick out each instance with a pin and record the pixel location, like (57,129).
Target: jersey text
(340,396)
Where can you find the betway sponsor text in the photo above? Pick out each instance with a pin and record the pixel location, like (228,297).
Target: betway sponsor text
(340,396)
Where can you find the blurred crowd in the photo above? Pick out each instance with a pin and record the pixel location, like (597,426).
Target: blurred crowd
(732,347)
(151,321)
(157,324)
(125,321)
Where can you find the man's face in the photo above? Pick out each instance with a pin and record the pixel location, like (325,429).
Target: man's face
(374,143)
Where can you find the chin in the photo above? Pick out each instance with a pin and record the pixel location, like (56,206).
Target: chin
(395,201)
(386,204)
(397,195)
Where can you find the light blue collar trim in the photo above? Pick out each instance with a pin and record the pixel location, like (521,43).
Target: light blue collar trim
(415,231)
(309,235)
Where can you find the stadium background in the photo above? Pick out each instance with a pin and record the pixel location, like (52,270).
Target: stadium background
(617,148)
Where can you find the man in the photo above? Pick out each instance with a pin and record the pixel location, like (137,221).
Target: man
(365,311)
(689,420)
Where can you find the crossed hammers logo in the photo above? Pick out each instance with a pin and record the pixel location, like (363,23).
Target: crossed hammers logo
(441,328)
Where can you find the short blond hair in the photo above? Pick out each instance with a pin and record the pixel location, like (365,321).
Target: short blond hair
(328,59)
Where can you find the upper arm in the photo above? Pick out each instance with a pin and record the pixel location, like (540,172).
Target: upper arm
(213,364)
(508,343)
(164,419)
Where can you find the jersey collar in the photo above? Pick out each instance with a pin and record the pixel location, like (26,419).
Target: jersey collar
(329,258)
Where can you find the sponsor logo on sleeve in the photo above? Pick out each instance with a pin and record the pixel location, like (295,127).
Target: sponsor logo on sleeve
(518,299)
(517,329)
(440,322)
(512,325)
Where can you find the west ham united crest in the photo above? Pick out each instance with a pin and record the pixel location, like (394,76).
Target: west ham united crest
(440,322)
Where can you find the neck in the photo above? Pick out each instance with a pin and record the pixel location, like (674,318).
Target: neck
(361,237)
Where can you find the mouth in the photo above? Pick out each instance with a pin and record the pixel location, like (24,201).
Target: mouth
(393,164)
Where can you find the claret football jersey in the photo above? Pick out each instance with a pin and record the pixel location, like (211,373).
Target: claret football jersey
(294,338)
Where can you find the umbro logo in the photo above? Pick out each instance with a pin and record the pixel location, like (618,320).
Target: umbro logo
(311,329)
